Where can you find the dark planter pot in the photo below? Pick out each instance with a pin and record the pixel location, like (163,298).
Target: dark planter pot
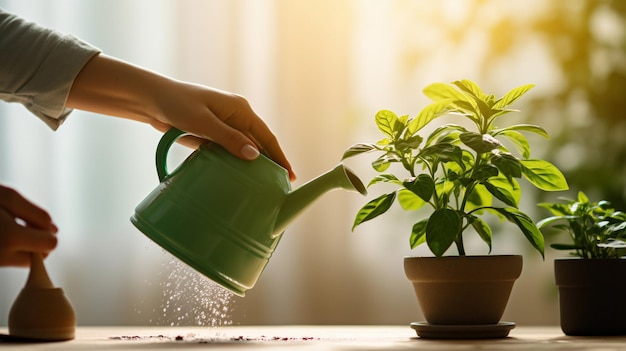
(465,290)
(591,296)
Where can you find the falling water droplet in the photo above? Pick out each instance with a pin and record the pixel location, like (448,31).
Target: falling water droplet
(192,299)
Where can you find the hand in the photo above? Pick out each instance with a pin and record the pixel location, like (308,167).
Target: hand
(225,118)
(24,228)
(113,87)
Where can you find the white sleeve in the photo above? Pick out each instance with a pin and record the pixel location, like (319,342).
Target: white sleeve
(38,67)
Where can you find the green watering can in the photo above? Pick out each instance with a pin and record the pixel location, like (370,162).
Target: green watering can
(224,216)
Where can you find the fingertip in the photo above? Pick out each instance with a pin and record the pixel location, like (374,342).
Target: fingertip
(53,242)
(249,152)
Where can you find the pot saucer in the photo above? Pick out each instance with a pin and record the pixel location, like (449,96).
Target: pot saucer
(484,331)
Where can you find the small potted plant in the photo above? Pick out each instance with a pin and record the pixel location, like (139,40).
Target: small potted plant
(461,173)
(592,283)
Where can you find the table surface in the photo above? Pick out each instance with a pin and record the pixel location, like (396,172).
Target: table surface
(302,337)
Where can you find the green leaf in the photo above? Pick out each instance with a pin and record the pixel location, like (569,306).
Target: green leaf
(544,175)
(428,113)
(484,172)
(386,122)
(523,127)
(613,244)
(508,165)
(412,142)
(526,225)
(384,142)
(556,209)
(549,220)
(511,186)
(485,110)
(564,247)
(498,113)
(519,140)
(418,234)
(468,109)
(443,151)
(384,178)
(409,201)
(358,149)
(482,228)
(382,163)
(512,96)
(471,88)
(446,129)
(442,91)
(400,124)
(444,226)
(374,208)
(423,186)
(479,143)
(480,197)
(501,194)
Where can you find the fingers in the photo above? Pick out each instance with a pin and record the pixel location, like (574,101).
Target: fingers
(268,141)
(20,208)
(219,116)
(18,242)
(245,132)
(24,228)
(247,148)
(235,141)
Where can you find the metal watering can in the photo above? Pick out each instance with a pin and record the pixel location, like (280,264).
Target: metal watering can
(224,216)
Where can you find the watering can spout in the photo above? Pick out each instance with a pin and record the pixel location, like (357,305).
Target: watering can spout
(299,199)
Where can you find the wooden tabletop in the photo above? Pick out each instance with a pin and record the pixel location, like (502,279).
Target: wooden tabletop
(310,338)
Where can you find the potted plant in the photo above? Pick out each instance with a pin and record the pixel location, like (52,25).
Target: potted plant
(592,283)
(458,171)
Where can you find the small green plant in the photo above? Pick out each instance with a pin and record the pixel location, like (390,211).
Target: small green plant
(596,229)
(455,170)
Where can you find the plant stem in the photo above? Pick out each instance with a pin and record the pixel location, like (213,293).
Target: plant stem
(459,245)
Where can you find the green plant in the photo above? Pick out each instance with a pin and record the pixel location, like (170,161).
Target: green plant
(455,170)
(596,229)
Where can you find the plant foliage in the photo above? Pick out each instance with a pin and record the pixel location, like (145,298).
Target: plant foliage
(596,229)
(455,170)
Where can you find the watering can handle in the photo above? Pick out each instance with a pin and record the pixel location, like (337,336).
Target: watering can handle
(166,142)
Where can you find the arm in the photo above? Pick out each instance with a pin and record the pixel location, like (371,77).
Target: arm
(113,87)
(50,73)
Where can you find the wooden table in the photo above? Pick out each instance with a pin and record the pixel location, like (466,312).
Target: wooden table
(310,338)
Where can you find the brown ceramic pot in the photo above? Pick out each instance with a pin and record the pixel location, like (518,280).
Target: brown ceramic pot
(591,296)
(463,290)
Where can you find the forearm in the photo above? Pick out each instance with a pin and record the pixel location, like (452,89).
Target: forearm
(113,87)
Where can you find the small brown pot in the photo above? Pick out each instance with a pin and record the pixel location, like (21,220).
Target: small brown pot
(463,290)
(591,296)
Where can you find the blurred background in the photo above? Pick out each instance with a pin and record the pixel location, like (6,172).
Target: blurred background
(317,71)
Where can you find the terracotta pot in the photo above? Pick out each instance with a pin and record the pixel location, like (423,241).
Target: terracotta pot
(591,295)
(463,290)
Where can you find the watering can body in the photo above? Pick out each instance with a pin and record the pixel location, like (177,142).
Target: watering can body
(224,216)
